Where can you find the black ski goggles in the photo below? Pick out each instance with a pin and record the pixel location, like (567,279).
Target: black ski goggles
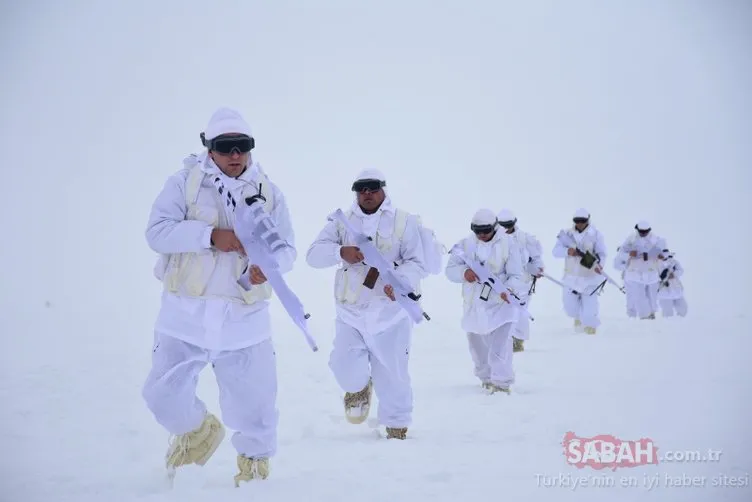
(482,229)
(642,232)
(361,186)
(580,221)
(507,224)
(227,145)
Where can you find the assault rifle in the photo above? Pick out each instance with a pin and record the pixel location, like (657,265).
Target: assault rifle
(556,281)
(653,253)
(257,232)
(665,276)
(587,259)
(403,293)
(488,280)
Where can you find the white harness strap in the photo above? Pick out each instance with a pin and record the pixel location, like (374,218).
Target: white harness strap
(193,185)
(400,224)
(196,177)
(343,293)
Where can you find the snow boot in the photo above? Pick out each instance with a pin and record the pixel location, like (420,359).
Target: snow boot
(196,447)
(251,468)
(396,432)
(590,330)
(493,389)
(518,345)
(358,404)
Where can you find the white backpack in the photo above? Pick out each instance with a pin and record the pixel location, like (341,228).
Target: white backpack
(433,250)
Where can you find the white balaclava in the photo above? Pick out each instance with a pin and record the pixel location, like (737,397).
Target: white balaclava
(226,121)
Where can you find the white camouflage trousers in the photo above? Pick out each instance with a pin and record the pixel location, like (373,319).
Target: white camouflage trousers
(669,306)
(584,307)
(492,355)
(643,298)
(247,381)
(358,356)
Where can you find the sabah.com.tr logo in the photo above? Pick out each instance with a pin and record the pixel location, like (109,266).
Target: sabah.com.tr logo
(608,452)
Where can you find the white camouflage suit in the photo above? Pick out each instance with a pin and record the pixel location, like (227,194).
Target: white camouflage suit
(583,306)
(489,323)
(206,317)
(372,332)
(531,254)
(641,272)
(671,290)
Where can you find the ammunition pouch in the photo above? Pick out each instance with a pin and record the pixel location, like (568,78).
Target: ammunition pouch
(588,260)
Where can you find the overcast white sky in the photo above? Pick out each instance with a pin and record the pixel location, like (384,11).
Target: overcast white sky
(633,109)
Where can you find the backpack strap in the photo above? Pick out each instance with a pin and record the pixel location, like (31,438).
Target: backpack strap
(196,177)
(341,227)
(193,184)
(400,223)
(504,251)
(469,247)
(523,239)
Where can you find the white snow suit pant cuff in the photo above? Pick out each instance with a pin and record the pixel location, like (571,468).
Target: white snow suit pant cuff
(358,356)
(247,381)
(492,355)
(643,297)
(584,307)
(679,305)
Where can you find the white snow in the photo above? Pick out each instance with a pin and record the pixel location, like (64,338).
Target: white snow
(632,109)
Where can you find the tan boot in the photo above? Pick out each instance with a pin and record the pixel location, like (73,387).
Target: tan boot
(577,325)
(251,468)
(493,389)
(396,432)
(358,404)
(196,447)
(590,330)
(518,345)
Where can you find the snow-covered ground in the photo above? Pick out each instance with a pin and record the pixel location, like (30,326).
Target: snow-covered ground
(76,430)
(632,109)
